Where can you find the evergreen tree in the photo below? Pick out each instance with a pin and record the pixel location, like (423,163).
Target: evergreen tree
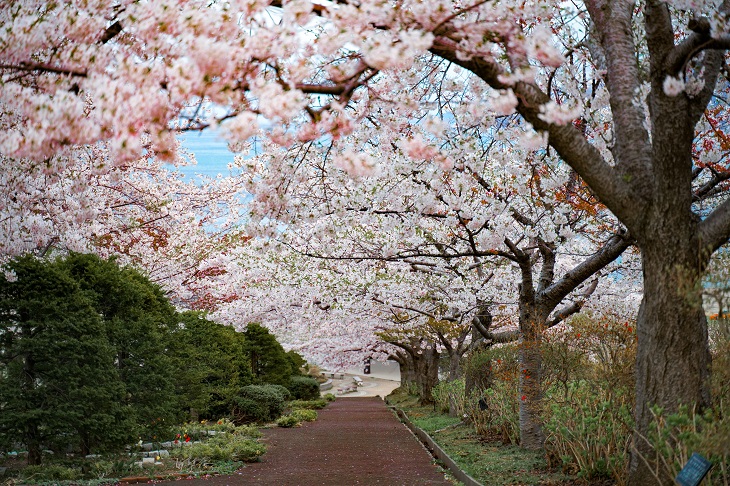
(138,317)
(211,364)
(269,361)
(59,385)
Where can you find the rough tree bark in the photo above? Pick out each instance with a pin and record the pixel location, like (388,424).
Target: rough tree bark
(422,357)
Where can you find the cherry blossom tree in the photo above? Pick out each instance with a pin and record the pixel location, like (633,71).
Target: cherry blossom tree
(623,92)
(455,223)
(143,213)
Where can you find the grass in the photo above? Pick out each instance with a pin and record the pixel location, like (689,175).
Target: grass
(488,461)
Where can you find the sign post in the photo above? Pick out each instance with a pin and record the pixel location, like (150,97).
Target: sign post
(694,471)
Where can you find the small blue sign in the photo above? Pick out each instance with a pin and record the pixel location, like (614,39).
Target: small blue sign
(694,471)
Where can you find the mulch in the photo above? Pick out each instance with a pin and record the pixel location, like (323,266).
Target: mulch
(355,441)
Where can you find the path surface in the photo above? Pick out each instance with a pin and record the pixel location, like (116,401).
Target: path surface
(370,387)
(355,441)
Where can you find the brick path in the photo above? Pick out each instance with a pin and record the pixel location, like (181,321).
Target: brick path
(355,441)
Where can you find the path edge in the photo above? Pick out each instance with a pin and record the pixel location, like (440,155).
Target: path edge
(435,449)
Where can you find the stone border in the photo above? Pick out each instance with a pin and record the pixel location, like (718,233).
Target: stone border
(327,385)
(435,449)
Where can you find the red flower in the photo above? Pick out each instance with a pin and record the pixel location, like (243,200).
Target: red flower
(524,397)
(187,438)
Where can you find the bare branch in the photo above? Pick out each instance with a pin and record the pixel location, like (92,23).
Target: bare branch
(574,307)
(45,68)
(611,250)
(612,23)
(714,231)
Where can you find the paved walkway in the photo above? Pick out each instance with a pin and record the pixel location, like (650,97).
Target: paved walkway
(355,441)
(370,387)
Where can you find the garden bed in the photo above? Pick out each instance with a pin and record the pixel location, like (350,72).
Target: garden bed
(486,459)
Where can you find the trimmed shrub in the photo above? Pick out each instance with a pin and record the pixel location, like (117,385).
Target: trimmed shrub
(226,447)
(287,421)
(281,389)
(304,387)
(304,415)
(258,403)
(329,397)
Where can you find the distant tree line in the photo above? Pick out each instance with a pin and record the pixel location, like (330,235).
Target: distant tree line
(94,357)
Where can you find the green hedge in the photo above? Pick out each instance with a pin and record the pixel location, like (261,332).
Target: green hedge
(304,387)
(258,403)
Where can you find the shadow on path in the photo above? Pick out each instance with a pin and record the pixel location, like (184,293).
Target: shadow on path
(354,441)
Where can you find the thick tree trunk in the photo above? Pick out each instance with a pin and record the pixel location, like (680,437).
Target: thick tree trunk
(85,445)
(428,378)
(454,365)
(673,358)
(407,369)
(427,367)
(530,399)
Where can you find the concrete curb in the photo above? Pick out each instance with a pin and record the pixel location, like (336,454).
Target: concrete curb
(436,450)
(327,385)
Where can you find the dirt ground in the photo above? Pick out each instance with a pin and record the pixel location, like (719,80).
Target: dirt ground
(355,441)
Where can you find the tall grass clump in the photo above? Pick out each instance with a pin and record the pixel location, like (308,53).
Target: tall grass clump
(674,437)
(450,397)
(589,386)
(491,402)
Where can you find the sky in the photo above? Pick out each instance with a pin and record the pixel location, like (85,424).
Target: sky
(210,151)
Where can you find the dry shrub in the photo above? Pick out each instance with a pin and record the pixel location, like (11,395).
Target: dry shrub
(589,383)
(500,399)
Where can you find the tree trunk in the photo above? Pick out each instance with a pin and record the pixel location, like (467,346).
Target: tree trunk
(85,445)
(407,370)
(32,442)
(454,365)
(427,368)
(530,400)
(32,433)
(673,357)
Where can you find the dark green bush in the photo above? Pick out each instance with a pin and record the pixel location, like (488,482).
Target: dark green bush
(282,390)
(304,387)
(258,403)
